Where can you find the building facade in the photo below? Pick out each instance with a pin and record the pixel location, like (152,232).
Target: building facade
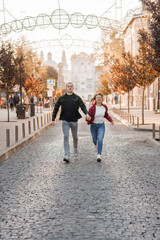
(83,75)
(139,21)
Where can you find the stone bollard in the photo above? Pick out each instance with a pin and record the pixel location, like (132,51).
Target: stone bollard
(16,133)
(133,120)
(8,142)
(153,127)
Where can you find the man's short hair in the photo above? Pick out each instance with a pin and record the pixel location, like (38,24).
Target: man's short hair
(69,83)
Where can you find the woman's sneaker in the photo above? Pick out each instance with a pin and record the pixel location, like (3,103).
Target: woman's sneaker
(98,158)
(66,159)
(75,152)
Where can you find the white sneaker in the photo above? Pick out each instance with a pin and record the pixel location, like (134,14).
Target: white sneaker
(99,158)
(75,152)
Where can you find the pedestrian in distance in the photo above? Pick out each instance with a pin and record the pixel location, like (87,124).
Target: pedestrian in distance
(11,102)
(70,103)
(16,99)
(98,111)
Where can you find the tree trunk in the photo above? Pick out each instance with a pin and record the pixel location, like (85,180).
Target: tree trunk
(8,102)
(128,104)
(143,107)
(120,101)
(20,83)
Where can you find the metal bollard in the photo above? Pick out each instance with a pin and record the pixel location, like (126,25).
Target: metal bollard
(153,127)
(23,130)
(8,142)
(29,127)
(38,122)
(41,121)
(34,124)
(16,133)
(159,133)
(137,122)
(133,119)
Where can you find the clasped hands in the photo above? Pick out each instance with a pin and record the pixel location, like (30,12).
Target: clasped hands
(88,117)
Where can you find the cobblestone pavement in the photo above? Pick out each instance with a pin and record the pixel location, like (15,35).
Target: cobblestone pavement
(42,198)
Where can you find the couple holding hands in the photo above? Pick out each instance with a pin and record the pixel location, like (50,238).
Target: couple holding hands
(70,103)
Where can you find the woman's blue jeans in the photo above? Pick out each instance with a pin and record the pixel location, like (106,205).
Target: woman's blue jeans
(98,131)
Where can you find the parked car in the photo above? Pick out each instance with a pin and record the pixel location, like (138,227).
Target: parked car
(3,104)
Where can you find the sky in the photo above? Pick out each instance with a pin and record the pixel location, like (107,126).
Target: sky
(21,8)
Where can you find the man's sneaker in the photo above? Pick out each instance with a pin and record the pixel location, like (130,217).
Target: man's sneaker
(98,158)
(75,152)
(66,160)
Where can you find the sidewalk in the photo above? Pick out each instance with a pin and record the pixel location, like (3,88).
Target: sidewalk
(150,117)
(27,128)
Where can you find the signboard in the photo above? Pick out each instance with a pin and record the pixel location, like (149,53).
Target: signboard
(51,82)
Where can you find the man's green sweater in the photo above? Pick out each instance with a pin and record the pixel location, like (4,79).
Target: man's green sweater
(77,102)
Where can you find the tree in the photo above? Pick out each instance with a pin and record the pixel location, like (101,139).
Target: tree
(154,9)
(7,68)
(35,86)
(51,73)
(32,71)
(111,47)
(104,84)
(123,75)
(145,74)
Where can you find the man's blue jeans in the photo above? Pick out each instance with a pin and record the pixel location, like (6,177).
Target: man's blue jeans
(98,131)
(66,127)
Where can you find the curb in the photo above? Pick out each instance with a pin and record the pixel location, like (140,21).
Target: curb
(22,143)
(154,143)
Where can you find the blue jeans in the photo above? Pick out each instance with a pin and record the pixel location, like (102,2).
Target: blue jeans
(98,131)
(66,127)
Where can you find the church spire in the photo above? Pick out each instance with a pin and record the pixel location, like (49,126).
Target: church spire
(64,61)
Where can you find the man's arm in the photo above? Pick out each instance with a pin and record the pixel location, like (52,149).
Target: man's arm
(56,108)
(83,106)
(84,109)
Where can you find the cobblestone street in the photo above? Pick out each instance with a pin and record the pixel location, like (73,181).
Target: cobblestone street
(118,199)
